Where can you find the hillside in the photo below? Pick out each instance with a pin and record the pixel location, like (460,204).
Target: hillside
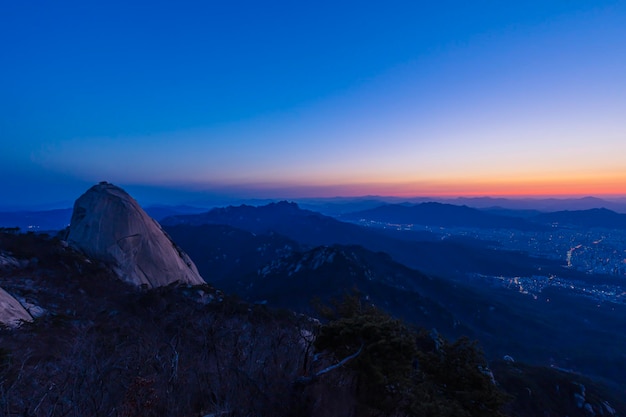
(93,342)
(552,325)
(104,347)
(598,217)
(450,258)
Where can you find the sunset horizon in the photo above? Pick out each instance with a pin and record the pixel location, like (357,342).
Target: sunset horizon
(219,195)
(284,101)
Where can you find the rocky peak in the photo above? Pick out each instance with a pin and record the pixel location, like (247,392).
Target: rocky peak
(109,225)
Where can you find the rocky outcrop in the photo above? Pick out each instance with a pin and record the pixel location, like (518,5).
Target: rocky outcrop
(8,262)
(109,225)
(12,313)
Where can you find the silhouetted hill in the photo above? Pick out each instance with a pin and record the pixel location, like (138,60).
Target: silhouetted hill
(555,325)
(160,212)
(329,272)
(340,205)
(224,254)
(542,204)
(599,217)
(500,211)
(438,215)
(505,321)
(276,217)
(324,272)
(449,257)
(565,328)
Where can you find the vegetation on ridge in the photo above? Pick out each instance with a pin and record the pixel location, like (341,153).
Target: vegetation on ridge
(105,348)
(406,370)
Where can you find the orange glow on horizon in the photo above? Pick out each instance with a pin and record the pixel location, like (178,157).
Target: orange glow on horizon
(535,188)
(516,188)
(607,184)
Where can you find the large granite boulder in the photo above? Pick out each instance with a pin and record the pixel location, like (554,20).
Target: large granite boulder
(109,225)
(12,313)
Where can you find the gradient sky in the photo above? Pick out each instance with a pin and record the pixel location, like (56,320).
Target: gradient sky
(293,99)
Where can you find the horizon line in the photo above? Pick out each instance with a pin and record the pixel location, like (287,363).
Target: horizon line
(199,202)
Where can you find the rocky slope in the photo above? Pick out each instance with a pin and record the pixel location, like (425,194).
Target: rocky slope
(12,313)
(109,225)
(102,347)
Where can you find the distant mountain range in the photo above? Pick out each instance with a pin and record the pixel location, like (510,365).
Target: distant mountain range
(449,257)
(541,204)
(584,218)
(440,215)
(288,256)
(483,212)
(448,215)
(342,205)
(148,344)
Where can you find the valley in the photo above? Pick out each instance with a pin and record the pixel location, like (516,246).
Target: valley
(509,288)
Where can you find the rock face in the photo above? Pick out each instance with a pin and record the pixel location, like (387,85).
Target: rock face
(109,225)
(11,311)
(8,262)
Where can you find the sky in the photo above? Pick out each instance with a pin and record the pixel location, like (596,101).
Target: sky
(176,100)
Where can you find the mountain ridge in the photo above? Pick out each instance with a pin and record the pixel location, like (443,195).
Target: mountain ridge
(140,348)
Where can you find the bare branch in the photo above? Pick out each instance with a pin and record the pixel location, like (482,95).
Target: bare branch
(309,379)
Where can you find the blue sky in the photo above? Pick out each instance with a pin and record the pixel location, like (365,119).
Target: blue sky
(287,99)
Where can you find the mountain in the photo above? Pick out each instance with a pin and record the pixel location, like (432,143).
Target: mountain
(223,253)
(341,205)
(160,212)
(541,204)
(57,219)
(257,219)
(283,273)
(109,225)
(449,257)
(324,273)
(336,207)
(521,213)
(566,329)
(286,219)
(547,325)
(105,347)
(438,215)
(599,217)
